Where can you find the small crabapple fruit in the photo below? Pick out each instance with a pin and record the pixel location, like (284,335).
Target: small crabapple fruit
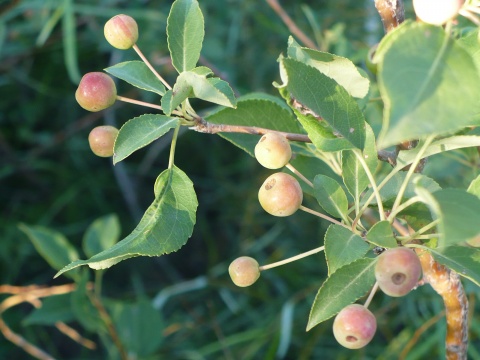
(102,139)
(244,271)
(96,91)
(280,195)
(354,326)
(398,271)
(273,151)
(121,31)
(437,12)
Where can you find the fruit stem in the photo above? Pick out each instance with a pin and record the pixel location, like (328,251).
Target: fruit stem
(323,216)
(375,188)
(291,259)
(143,103)
(299,174)
(152,69)
(370,296)
(402,207)
(410,173)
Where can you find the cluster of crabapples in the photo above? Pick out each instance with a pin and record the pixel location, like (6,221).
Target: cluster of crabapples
(97,90)
(397,271)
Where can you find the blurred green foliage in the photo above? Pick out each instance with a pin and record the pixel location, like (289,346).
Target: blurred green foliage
(49,177)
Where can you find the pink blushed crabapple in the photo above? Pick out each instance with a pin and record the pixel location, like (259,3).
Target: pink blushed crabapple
(280,195)
(121,31)
(273,151)
(354,326)
(102,140)
(96,91)
(244,271)
(398,271)
(437,12)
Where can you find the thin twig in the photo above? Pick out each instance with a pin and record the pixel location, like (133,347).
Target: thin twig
(392,13)
(152,69)
(203,126)
(75,336)
(299,174)
(291,259)
(294,29)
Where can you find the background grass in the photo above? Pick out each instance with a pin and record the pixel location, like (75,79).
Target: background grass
(49,177)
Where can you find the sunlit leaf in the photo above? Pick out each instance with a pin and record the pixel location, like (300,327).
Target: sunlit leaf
(165,227)
(103,233)
(331,196)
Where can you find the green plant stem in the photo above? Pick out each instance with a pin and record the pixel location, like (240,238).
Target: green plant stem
(419,232)
(417,237)
(402,207)
(375,189)
(98,282)
(410,172)
(370,296)
(291,259)
(152,69)
(299,174)
(143,103)
(323,216)
(172,147)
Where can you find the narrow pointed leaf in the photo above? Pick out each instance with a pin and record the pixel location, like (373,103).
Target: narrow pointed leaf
(381,234)
(420,69)
(342,247)
(165,227)
(343,287)
(185,32)
(51,245)
(137,74)
(139,132)
(474,187)
(326,99)
(330,196)
(340,69)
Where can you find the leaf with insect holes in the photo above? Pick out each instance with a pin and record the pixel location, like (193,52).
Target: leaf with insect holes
(343,287)
(138,74)
(138,132)
(165,227)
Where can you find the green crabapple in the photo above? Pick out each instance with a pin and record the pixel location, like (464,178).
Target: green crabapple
(244,271)
(273,151)
(354,326)
(102,140)
(96,91)
(121,31)
(280,194)
(398,271)
(437,12)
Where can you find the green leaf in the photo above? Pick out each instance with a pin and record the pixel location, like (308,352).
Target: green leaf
(471,43)
(420,70)
(213,90)
(138,74)
(103,233)
(165,227)
(338,68)
(343,287)
(139,132)
(465,261)
(458,213)
(185,32)
(474,187)
(51,245)
(312,90)
(381,234)
(342,247)
(173,98)
(54,308)
(139,326)
(390,190)
(262,111)
(406,157)
(330,196)
(354,176)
